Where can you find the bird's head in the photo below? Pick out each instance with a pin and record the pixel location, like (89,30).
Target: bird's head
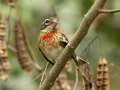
(50,23)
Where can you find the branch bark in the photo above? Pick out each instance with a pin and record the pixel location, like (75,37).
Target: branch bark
(109,11)
(76,39)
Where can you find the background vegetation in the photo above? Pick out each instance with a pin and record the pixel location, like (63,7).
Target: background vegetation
(105,32)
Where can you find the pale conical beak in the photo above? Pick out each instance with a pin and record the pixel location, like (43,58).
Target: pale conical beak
(55,20)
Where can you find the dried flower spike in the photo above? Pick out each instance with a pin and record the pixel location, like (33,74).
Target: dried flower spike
(105,85)
(4,64)
(11,3)
(102,75)
(62,83)
(23,55)
(88,80)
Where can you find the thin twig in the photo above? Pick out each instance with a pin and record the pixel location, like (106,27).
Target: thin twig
(77,38)
(9,25)
(77,79)
(109,11)
(44,73)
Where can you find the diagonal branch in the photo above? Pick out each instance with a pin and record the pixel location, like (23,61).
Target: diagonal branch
(76,39)
(109,10)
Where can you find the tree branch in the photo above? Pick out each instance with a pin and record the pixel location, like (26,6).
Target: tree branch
(76,39)
(109,11)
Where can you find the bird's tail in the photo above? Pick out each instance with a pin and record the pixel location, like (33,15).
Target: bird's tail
(78,60)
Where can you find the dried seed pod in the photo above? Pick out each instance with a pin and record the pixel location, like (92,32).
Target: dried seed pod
(4,64)
(88,80)
(99,74)
(11,3)
(62,83)
(105,85)
(102,75)
(23,55)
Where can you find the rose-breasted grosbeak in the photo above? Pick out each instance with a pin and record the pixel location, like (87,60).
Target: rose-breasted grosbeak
(52,41)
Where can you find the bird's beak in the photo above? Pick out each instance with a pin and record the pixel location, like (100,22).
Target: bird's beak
(55,20)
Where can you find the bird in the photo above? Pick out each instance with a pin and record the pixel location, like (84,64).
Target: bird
(52,40)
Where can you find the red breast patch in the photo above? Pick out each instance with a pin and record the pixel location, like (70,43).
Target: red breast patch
(48,36)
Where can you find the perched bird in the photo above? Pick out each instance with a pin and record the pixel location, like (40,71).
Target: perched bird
(52,41)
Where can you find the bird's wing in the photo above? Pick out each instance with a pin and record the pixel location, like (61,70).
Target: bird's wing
(63,42)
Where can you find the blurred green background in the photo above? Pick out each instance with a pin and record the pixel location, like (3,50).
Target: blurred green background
(104,34)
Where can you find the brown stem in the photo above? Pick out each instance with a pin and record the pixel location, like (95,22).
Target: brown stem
(109,11)
(77,38)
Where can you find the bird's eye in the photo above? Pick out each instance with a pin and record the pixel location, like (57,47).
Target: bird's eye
(46,21)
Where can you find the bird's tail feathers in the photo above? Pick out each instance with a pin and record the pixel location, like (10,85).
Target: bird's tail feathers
(78,60)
